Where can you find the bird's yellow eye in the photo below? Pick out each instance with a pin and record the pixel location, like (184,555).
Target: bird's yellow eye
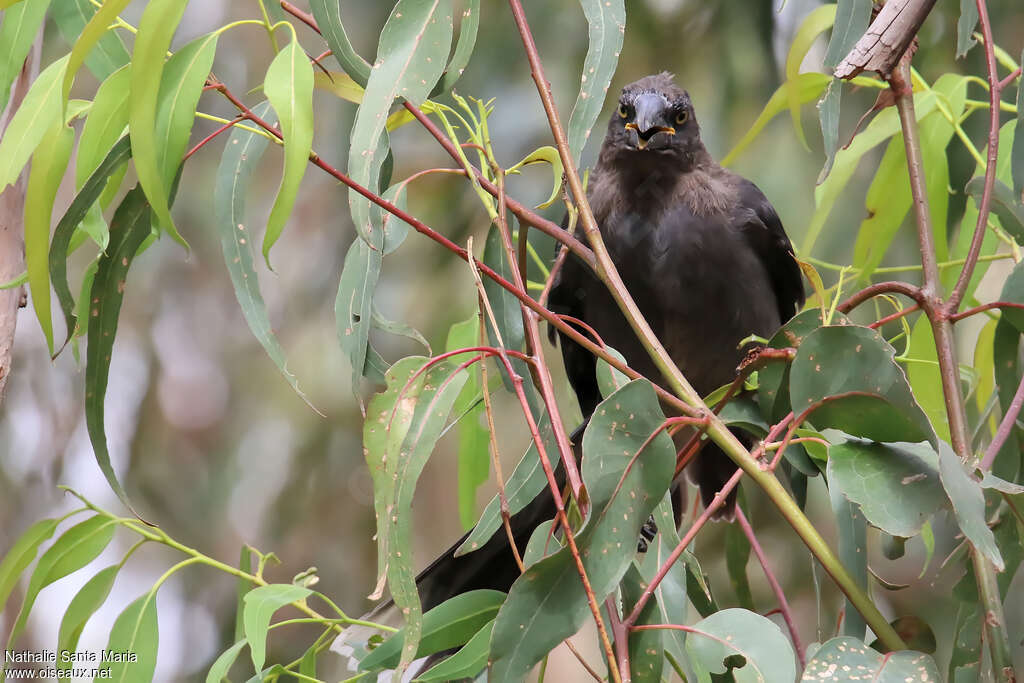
(623,112)
(681,117)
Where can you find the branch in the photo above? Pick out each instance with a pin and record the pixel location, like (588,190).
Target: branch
(1005,427)
(888,37)
(894,287)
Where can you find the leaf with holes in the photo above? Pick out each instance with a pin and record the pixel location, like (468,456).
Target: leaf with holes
(289,87)
(747,644)
(846,378)
(402,425)
(606,22)
(896,486)
(547,603)
(848,659)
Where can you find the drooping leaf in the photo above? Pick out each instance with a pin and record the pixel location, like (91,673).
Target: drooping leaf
(847,376)
(108,54)
(75,548)
(328,16)
(241,156)
(606,22)
(353,306)
(17,33)
(49,162)
(411,56)
(753,647)
(467,662)
(21,554)
(697,588)
(817,21)
(853,553)
(156,27)
(1005,205)
(38,113)
(965,27)
(923,375)
(468,28)
(449,625)
(128,229)
(547,603)
(1017,150)
(646,648)
(104,125)
(260,605)
(182,83)
(968,504)
(403,424)
(828,116)
(135,632)
(851,21)
(85,603)
(896,486)
(86,198)
(289,88)
(848,659)
(506,307)
(737,552)
(96,30)
(474,455)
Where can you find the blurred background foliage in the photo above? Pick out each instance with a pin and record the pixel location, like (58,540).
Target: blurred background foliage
(217,449)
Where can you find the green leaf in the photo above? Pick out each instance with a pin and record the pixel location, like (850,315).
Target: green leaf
(184,76)
(896,485)
(136,635)
(48,165)
(260,605)
(968,504)
(609,379)
(851,21)
(1007,208)
(470,660)
(21,554)
(606,22)
(85,603)
(353,305)
(914,632)
(449,625)
(848,659)
(966,641)
(847,377)
(853,553)
(1006,363)
(473,452)
(670,595)
(1017,149)
(737,552)
(507,312)
(765,651)
(828,116)
(37,115)
(646,648)
(468,29)
(923,374)
(76,547)
(105,124)
(128,229)
(219,671)
(97,30)
(816,22)
(527,480)
(328,16)
(403,424)
(85,200)
(882,127)
(773,378)
(17,33)
(289,87)
(241,156)
(108,53)
(156,27)
(965,27)
(697,588)
(411,55)
(547,603)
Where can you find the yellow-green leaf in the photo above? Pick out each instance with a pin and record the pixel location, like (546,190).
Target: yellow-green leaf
(104,125)
(98,25)
(819,20)
(36,115)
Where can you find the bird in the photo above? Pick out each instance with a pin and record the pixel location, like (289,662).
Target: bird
(702,252)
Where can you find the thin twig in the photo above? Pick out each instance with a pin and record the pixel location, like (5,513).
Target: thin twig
(780,595)
(893,287)
(982,308)
(1005,427)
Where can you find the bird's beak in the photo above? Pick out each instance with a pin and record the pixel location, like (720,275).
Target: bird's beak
(650,118)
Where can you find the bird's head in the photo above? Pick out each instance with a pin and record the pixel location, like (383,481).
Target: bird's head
(653,120)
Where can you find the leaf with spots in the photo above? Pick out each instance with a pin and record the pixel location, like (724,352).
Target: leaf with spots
(128,229)
(853,554)
(328,16)
(411,56)
(402,425)
(848,659)
(749,645)
(896,486)
(845,377)
(547,603)
(231,187)
(353,306)
(646,648)
(463,47)
(606,21)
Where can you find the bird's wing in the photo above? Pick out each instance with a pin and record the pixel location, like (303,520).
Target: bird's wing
(769,241)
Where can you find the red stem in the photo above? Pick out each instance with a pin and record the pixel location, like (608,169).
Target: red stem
(984,307)
(211,136)
(894,287)
(1005,427)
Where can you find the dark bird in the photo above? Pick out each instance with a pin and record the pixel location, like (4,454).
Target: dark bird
(703,254)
